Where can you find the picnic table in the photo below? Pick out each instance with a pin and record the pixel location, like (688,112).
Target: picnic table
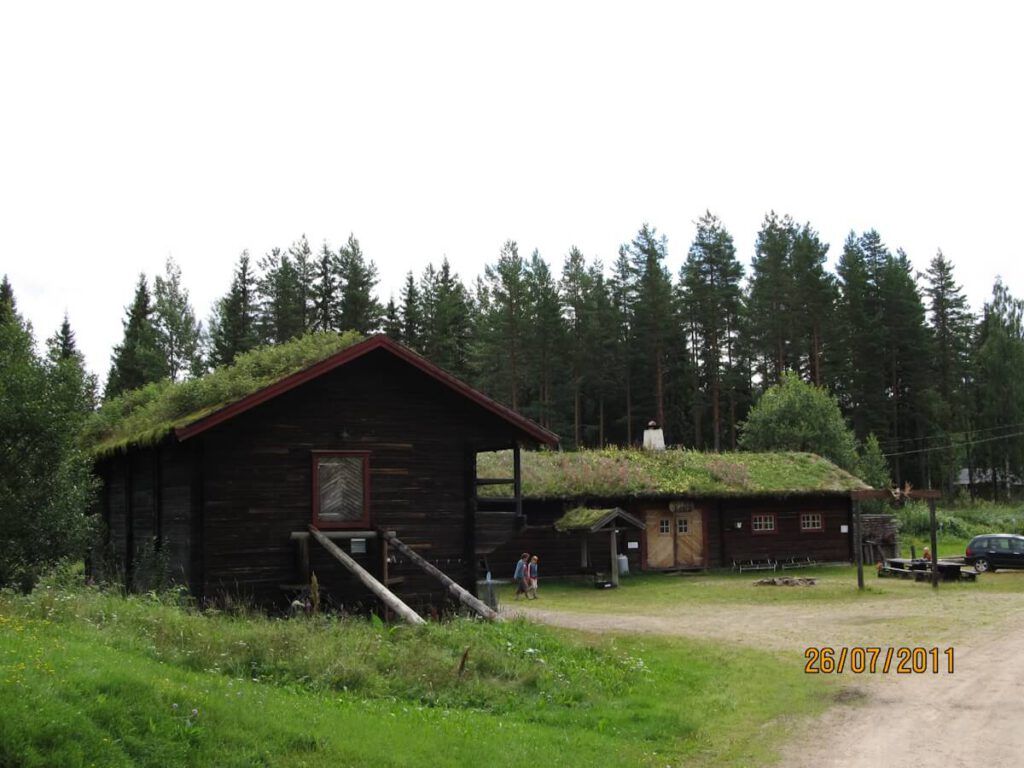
(920,569)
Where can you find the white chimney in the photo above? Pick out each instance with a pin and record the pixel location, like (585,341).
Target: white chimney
(654,438)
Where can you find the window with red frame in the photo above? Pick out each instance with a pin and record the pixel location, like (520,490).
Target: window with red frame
(811,521)
(341,489)
(762,523)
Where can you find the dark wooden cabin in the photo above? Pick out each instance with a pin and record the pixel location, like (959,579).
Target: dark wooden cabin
(372,438)
(699,510)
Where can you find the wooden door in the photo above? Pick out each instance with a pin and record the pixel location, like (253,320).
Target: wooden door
(660,539)
(689,535)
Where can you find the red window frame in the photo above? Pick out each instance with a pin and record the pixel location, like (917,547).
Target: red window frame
(764,532)
(364,521)
(820,528)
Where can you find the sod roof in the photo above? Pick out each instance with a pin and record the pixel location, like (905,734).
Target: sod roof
(586,519)
(623,473)
(147,415)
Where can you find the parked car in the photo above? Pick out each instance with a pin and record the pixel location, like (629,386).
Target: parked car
(995,550)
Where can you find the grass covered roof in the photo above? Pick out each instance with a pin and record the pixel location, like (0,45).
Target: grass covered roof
(146,415)
(615,472)
(586,519)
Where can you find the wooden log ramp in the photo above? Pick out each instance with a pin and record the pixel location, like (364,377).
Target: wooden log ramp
(389,598)
(477,606)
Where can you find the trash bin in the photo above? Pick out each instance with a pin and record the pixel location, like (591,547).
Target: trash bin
(623,565)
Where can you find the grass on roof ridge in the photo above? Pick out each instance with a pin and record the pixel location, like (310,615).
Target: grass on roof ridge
(616,472)
(146,415)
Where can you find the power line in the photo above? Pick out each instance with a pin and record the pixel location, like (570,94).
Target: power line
(954,445)
(893,441)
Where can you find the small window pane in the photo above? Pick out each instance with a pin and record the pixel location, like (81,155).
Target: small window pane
(341,488)
(810,521)
(682,525)
(763,523)
(664,526)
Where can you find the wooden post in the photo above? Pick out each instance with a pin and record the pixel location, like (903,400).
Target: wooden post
(859,549)
(386,595)
(935,549)
(454,588)
(517,481)
(584,551)
(615,556)
(303,545)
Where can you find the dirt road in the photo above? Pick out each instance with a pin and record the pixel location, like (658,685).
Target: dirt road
(973,717)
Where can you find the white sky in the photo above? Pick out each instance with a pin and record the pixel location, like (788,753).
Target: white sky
(132,131)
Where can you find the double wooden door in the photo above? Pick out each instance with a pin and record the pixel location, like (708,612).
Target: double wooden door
(675,539)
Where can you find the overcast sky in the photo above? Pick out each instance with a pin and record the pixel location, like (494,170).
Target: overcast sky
(130,132)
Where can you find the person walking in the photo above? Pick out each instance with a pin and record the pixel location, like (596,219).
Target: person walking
(531,591)
(522,575)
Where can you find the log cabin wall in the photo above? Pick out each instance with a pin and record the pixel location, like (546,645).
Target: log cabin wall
(257,479)
(559,553)
(787,540)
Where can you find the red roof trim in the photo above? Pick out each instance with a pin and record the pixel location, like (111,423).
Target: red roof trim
(354,352)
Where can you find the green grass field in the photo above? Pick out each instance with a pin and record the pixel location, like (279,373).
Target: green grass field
(89,678)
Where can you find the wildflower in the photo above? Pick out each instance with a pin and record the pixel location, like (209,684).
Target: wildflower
(195,713)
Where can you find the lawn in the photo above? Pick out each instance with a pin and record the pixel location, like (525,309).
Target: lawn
(90,678)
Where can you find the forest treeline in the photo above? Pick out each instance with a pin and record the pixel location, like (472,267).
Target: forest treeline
(595,350)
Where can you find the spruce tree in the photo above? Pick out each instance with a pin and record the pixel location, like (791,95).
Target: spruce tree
(411,315)
(75,388)
(812,303)
(392,321)
(574,287)
(282,310)
(502,330)
(447,319)
(234,325)
(302,259)
(623,290)
(138,359)
(359,310)
(326,292)
(772,293)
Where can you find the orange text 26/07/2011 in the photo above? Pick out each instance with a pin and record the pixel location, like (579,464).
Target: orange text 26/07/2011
(860,660)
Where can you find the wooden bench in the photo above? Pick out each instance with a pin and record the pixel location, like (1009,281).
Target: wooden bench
(766,564)
(798,562)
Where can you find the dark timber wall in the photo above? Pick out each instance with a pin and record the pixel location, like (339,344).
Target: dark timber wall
(560,553)
(227,499)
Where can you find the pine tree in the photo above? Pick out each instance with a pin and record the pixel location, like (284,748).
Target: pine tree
(545,340)
(574,287)
(710,281)
(623,291)
(772,291)
(601,329)
(812,303)
(359,309)
(653,319)
(502,330)
(178,333)
(138,359)
(234,324)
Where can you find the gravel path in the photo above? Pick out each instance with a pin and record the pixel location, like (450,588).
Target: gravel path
(972,717)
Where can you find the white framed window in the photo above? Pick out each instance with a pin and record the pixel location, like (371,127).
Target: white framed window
(811,521)
(682,525)
(664,525)
(763,523)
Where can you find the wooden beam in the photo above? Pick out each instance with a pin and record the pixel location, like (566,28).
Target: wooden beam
(517,472)
(935,546)
(858,544)
(304,570)
(495,481)
(453,587)
(333,535)
(884,495)
(615,556)
(386,595)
